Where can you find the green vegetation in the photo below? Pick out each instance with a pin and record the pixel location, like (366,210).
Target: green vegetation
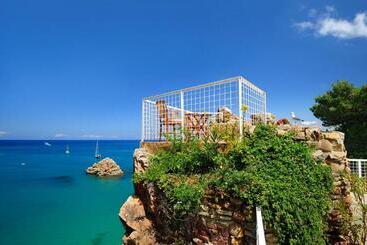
(356,225)
(345,108)
(274,172)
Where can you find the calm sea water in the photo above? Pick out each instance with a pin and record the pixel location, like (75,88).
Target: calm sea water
(46,197)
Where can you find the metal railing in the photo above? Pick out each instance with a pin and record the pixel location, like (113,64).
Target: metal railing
(195,109)
(358,166)
(260,232)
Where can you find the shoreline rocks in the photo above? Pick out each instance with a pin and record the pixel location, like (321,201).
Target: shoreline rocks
(141,230)
(105,168)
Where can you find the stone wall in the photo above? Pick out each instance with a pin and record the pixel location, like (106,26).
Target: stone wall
(223,219)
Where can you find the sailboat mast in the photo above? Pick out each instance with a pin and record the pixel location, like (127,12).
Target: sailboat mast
(97,155)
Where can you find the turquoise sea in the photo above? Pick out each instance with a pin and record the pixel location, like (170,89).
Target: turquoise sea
(46,197)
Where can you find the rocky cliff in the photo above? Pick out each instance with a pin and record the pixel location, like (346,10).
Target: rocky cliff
(224,219)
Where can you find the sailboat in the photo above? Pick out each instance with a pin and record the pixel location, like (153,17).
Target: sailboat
(97,154)
(67,151)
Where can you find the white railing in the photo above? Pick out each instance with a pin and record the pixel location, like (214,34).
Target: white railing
(195,109)
(358,166)
(260,232)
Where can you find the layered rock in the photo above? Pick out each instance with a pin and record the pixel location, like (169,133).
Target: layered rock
(261,118)
(139,228)
(105,168)
(223,220)
(134,211)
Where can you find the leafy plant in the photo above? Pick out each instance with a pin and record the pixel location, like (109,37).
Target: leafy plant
(355,222)
(244,108)
(274,172)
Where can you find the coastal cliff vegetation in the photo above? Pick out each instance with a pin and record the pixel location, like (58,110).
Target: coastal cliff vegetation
(265,169)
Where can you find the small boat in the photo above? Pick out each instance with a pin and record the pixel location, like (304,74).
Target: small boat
(67,151)
(47,144)
(97,154)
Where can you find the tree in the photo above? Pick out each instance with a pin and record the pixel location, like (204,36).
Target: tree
(345,108)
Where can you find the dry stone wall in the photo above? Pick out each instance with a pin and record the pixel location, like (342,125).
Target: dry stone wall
(223,219)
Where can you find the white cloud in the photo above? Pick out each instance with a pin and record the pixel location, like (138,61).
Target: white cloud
(327,24)
(91,136)
(2,133)
(304,25)
(60,135)
(344,29)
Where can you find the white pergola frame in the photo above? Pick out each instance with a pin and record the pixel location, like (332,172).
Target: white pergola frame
(244,97)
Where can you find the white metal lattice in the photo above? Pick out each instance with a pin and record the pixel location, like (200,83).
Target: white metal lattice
(358,166)
(194,109)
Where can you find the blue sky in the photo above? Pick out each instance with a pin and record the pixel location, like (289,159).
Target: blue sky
(79,69)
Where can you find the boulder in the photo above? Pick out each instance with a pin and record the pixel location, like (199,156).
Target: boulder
(137,238)
(105,168)
(283,121)
(337,155)
(318,155)
(141,162)
(334,135)
(325,145)
(268,117)
(313,133)
(133,215)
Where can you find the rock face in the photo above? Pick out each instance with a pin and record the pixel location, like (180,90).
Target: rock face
(260,117)
(133,213)
(223,219)
(141,230)
(105,168)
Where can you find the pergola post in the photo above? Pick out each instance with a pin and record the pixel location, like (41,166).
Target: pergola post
(182,115)
(142,122)
(265,107)
(240,105)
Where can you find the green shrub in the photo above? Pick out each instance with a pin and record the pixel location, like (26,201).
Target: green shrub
(355,223)
(274,172)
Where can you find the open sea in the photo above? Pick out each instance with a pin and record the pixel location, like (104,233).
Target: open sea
(46,197)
